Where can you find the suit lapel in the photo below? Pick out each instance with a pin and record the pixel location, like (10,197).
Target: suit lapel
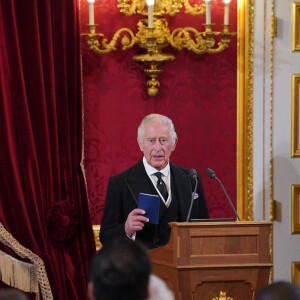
(184,190)
(138,181)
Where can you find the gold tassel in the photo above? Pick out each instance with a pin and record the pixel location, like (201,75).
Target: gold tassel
(39,282)
(18,274)
(6,269)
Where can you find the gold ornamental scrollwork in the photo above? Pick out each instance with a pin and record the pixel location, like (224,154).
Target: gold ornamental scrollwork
(162,7)
(196,10)
(222,296)
(249,112)
(169,7)
(128,7)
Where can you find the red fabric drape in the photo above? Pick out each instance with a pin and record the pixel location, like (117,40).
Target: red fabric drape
(42,193)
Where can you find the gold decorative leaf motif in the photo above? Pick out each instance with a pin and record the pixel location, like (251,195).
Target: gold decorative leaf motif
(222,296)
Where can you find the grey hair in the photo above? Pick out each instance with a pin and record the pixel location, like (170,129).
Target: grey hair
(159,119)
(158,289)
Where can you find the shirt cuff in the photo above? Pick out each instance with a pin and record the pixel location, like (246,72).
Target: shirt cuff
(132,237)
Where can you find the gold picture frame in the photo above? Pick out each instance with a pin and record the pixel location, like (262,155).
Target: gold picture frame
(245,109)
(295,147)
(295,26)
(295,272)
(295,212)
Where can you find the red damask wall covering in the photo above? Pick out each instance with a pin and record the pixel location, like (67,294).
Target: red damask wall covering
(198,92)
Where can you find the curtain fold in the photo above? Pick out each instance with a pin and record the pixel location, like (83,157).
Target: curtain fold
(42,193)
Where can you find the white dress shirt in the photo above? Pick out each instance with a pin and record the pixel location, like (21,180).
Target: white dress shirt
(166,177)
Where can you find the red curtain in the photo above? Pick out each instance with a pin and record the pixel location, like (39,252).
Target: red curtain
(42,191)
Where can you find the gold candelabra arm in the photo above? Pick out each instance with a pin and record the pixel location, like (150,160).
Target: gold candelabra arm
(200,42)
(196,10)
(224,43)
(104,47)
(127,43)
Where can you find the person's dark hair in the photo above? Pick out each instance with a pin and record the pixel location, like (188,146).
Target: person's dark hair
(280,290)
(120,271)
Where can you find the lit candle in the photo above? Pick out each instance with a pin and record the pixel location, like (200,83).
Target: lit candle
(208,14)
(226,12)
(150,4)
(91,12)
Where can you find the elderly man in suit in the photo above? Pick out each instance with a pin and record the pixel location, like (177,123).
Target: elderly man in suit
(154,174)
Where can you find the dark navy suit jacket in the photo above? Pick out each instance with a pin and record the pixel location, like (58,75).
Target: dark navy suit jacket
(122,196)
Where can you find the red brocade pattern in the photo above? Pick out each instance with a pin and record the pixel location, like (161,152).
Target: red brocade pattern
(198,92)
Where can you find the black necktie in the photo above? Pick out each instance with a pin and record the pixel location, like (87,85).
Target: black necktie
(161,186)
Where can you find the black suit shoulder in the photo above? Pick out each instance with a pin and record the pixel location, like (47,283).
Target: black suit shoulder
(136,170)
(176,167)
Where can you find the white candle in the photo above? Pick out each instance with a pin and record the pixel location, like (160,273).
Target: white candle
(91,12)
(208,13)
(150,4)
(226,12)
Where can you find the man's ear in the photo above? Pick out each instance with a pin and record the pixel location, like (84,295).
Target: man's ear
(140,145)
(174,146)
(90,290)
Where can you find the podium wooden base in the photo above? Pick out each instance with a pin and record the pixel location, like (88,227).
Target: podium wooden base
(203,259)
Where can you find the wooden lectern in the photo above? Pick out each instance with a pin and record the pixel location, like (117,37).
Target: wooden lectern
(204,259)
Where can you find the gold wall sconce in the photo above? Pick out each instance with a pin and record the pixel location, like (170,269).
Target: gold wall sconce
(153,33)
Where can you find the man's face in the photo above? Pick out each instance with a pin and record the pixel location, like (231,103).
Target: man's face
(157,145)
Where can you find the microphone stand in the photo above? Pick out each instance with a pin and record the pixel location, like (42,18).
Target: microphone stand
(228,198)
(192,200)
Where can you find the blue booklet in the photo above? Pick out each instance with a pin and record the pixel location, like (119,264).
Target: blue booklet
(150,204)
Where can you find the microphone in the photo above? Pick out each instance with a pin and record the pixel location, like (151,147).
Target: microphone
(210,173)
(193,174)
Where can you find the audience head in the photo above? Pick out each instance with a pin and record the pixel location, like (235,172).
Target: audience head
(158,290)
(120,271)
(280,290)
(12,294)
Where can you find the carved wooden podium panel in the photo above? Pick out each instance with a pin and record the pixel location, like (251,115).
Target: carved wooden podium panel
(205,258)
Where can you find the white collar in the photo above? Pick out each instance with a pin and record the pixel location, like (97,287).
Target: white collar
(150,170)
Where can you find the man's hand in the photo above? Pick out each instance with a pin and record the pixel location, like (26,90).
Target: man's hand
(135,221)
